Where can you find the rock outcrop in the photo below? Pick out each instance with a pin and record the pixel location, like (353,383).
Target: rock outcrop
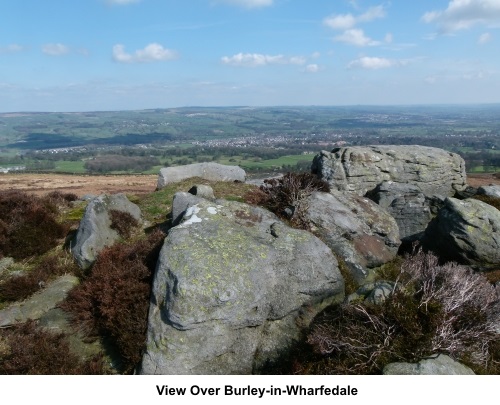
(363,234)
(39,303)
(407,205)
(440,365)
(208,171)
(94,232)
(466,231)
(360,169)
(232,288)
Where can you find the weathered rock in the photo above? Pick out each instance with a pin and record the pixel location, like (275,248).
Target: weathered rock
(440,365)
(407,205)
(39,303)
(58,321)
(232,287)
(466,231)
(491,191)
(363,234)
(374,293)
(208,171)
(94,232)
(360,169)
(202,191)
(180,203)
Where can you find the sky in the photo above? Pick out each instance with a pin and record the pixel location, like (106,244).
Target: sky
(94,55)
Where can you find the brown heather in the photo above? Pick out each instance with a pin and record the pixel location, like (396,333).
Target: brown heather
(113,300)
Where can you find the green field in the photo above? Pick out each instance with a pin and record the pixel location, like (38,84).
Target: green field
(258,139)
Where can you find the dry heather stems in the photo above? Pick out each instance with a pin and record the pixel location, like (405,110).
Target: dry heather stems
(434,309)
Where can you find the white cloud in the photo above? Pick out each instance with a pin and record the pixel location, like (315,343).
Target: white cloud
(367,62)
(257,59)
(340,21)
(388,38)
(55,49)
(464,14)
(347,21)
(484,38)
(356,37)
(151,53)
(312,68)
(11,48)
(247,3)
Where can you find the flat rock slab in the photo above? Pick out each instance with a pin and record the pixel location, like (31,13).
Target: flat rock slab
(208,171)
(39,303)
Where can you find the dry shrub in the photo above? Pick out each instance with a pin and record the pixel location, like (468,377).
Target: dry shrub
(29,225)
(26,349)
(123,223)
(113,300)
(58,198)
(285,196)
(21,287)
(436,309)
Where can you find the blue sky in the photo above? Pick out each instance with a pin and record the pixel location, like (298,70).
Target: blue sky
(81,55)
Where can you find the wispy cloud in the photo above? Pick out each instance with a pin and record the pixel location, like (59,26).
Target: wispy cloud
(355,37)
(257,59)
(55,49)
(346,21)
(11,48)
(312,68)
(374,63)
(484,38)
(151,53)
(247,3)
(464,14)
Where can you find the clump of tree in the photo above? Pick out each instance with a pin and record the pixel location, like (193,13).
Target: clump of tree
(433,309)
(115,163)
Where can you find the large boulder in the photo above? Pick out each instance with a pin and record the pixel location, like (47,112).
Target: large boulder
(94,232)
(439,365)
(360,169)
(363,234)
(466,231)
(407,205)
(208,171)
(233,287)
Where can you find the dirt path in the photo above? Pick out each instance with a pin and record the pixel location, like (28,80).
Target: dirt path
(78,184)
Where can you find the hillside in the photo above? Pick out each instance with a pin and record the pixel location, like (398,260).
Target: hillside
(241,279)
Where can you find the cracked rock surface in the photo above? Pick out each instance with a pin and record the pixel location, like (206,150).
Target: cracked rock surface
(233,287)
(360,169)
(467,231)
